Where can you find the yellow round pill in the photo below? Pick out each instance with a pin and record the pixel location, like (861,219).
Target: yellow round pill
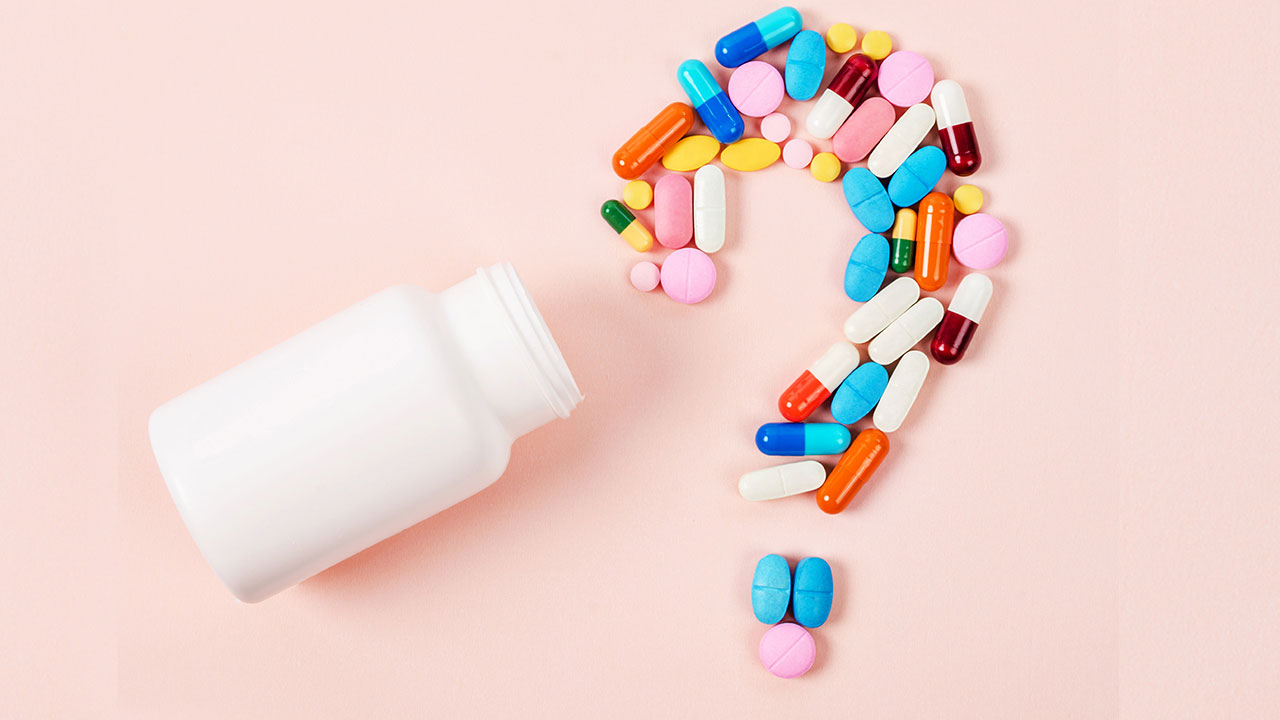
(877,45)
(825,167)
(968,199)
(841,37)
(638,194)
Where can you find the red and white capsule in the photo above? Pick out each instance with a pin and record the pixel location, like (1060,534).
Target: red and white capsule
(955,128)
(962,318)
(817,383)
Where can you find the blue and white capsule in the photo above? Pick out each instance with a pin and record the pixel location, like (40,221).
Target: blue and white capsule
(754,39)
(711,102)
(803,439)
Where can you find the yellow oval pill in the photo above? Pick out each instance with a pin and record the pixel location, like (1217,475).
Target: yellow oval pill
(637,194)
(691,153)
(751,154)
(841,38)
(877,45)
(825,166)
(968,199)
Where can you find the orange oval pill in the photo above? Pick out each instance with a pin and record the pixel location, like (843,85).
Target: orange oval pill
(652,141)
(934,222)
(853,470)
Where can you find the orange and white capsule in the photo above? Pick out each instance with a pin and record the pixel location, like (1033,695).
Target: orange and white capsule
(817,383)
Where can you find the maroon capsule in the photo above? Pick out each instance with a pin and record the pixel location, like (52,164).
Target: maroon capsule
(955,128)
(961,320)
(854,78)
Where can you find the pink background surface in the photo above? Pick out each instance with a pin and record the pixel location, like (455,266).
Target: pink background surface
(1079,520)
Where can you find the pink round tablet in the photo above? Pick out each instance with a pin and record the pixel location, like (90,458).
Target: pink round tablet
(756,88)
(797,153)
(859,134)
(787,650)
(775,127)
(688,276)
(644,276)
(905,78)
(979,241)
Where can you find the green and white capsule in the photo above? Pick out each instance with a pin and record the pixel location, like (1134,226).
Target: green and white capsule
(626,225)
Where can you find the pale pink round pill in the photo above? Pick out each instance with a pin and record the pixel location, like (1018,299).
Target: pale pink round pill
(905,78)
(688,276)
(787,650)
(775,127)
(797,153)
(644,276)
(979,241)
(756,88)
(862,131)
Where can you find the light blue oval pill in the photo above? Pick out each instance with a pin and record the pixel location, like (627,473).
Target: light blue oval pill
(859,393)
(867,266)
(771,589)
(812,593)
(917,175)
(868,200)
(806,62)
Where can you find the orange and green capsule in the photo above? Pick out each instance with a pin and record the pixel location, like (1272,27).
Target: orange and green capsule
(626,225)
(902,245)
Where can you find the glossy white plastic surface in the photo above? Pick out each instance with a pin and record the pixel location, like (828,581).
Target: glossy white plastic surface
(708,208)
(901,140)
(949,104)
(827,115)
(835,365)
(902,334)
(885,307)
(972,296)
(900,394)
(782,480)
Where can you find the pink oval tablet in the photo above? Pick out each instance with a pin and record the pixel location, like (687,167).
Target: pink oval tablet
(797,153)
(787,650)
(859,134)
(756,88)
(775,127)
(979,241)
(673,211)
(644,276)
(688,276)
(905,78)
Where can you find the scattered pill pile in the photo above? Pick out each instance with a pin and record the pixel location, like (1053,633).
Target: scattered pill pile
(890,180)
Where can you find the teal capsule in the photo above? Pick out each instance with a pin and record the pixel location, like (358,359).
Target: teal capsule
(803,438)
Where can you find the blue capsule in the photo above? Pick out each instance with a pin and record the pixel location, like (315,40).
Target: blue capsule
(806,62)
(753,39)
(812,592)
(713,106)
(803,438)
(771,589)
(868,200)
(859,393)
(867,266)
(917,175)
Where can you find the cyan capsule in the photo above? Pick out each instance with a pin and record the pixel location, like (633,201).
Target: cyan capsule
(812,592)
(806,62)
(803,438)
(917,175)
(752,40)
(712,104)
(859,393)
(867,266)
(868,200)
(771,589)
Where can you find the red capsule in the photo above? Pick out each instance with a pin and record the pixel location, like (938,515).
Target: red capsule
(962,318)
(817,383)
(955,128)
(854,78)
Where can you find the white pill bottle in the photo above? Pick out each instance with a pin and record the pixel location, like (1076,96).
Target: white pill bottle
(358,427)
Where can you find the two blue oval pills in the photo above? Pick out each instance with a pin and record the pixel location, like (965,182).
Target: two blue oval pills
(809,595)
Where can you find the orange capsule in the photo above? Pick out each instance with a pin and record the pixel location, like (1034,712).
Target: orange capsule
(652,141)
(934,222)
(853,470)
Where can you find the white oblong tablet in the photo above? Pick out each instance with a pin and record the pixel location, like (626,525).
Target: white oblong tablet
(782,480)
(901,140)
(900,394)
(883,308)
(919,320)
(708,208)
(828,115)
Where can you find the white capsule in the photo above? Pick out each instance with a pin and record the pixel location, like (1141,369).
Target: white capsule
(782,480)
(900,394)
(828,115)
(901,140)
(882,309)
(972,296)
(708,208)
(902,334)
(949,103)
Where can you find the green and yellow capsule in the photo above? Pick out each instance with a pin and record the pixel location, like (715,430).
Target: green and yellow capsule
(902,243)
(626,225)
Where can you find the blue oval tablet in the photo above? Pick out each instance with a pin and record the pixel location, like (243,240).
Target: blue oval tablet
(811,598)
(803,438)
(771,589)
(859,393)
(868,200)
(917,175)
(868,263)
(806,62)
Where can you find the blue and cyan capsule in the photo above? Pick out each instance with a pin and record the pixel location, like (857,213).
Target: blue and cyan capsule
(754,39)
(711,102)
(803,438)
